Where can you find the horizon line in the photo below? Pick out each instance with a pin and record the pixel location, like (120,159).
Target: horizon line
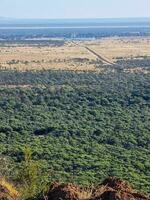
(85,18)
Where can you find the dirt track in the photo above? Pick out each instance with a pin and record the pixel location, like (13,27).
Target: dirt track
(100,57)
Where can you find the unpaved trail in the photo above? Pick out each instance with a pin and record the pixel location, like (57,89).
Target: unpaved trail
(100,57)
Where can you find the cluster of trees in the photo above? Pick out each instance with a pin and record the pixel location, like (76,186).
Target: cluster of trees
(91,32)
(142,62)
(80,126)
(31,42)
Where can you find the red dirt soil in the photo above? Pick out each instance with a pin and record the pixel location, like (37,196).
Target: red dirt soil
(63,192)
(111,189)
(116,189)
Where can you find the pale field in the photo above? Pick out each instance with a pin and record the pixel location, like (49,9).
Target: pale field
(126,47)
(63,57)
(71,56)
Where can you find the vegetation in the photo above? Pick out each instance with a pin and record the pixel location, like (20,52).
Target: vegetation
(142,62)
(79,126)
(7,190)
(99,32)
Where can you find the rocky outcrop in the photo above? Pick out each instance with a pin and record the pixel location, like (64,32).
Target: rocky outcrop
(63,192)
(115,189)
(110,189)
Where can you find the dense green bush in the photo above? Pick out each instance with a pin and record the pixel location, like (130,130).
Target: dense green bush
(80,126)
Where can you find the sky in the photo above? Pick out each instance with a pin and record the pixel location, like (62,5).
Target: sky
(57,9)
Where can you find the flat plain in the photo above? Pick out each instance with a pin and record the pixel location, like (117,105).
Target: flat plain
(73,55)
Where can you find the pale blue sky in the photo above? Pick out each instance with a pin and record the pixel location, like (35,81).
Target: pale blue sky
(74,8)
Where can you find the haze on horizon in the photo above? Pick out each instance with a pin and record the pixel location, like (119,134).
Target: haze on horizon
(60,9)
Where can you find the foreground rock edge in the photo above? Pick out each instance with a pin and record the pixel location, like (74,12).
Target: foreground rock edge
(111,188)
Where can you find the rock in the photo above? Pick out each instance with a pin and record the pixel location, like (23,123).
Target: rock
(115,189)
(63,192)
(111,189)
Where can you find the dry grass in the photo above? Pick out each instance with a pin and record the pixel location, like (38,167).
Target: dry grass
(126,47)
(70,56)
(85,194)
(64,57)
(9,190)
